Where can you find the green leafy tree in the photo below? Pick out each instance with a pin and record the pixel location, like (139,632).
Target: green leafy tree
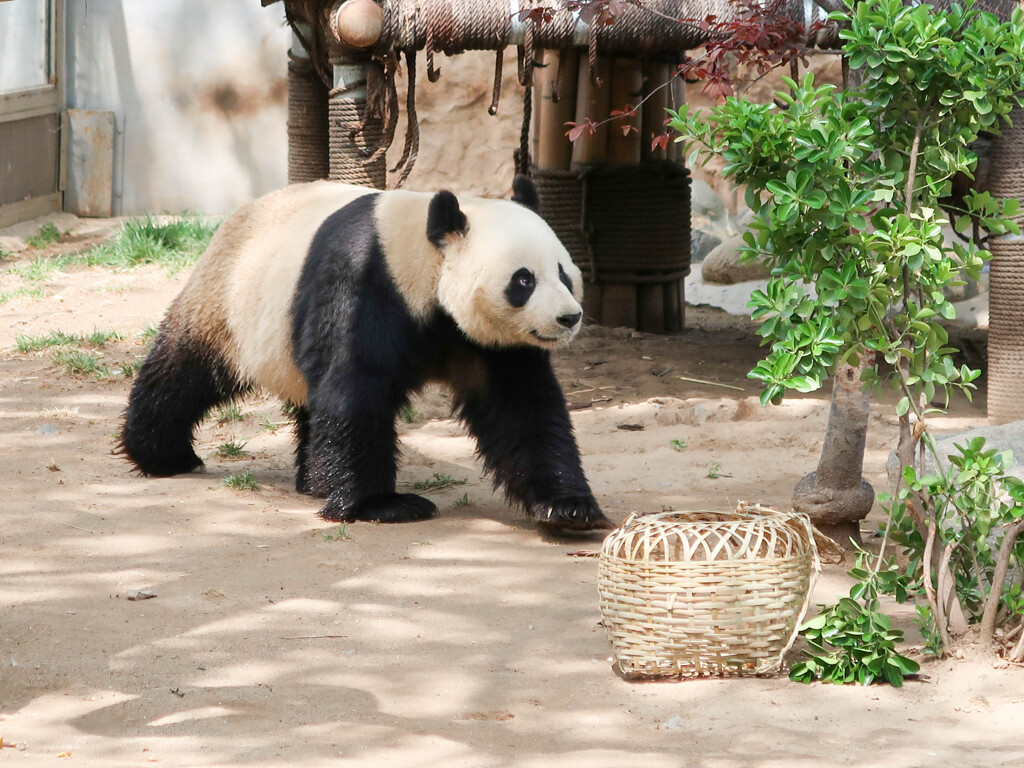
(847,186)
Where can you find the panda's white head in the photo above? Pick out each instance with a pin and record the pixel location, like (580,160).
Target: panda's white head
(505,279)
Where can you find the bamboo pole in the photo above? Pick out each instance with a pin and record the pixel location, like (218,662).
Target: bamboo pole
(592,102)
(619,300)
(552,149)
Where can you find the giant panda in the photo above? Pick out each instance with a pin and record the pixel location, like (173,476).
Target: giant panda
(343,301)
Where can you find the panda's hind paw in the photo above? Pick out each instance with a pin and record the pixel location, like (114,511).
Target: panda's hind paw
(386,508)
(571,513)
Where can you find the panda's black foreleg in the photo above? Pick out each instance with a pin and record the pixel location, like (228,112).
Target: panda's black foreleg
(520,421)
(179,381)
(352,455)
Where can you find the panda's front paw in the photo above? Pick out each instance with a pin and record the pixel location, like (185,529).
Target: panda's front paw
(571,513)
(386,508)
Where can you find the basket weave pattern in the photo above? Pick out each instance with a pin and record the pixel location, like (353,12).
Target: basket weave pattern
(689,594)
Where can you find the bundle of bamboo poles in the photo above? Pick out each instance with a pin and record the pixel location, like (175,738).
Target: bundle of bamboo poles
(629,228)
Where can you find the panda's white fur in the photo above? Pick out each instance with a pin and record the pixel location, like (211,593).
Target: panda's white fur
(251,268)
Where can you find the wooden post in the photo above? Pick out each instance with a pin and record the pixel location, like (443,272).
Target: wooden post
(656,93)
(592,102)
(552,149)
(627,84)
(619,300)
(652,298)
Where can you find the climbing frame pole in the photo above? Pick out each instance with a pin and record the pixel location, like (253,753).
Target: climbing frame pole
(1006,283)
(307,112)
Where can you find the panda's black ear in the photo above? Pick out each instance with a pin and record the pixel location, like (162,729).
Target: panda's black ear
(444,217)
(524,193)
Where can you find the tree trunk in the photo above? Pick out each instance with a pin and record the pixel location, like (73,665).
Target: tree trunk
(835,496)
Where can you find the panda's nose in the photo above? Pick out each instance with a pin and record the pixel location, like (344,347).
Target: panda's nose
(570,320)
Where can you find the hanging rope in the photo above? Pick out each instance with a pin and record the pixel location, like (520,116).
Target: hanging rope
(412,132)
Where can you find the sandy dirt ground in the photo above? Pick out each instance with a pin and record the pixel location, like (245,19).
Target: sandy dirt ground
(277,639)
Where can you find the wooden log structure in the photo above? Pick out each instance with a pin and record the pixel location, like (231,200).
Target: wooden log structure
(578,72)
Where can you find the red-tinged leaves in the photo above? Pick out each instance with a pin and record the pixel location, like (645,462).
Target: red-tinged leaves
(537,15)
(628,129)
(660,141)
(600,12)
(578,129)
(757,36)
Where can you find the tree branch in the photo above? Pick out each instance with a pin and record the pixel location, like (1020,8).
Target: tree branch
(988,619)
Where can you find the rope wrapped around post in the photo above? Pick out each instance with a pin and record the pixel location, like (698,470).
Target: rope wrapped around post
(307,122)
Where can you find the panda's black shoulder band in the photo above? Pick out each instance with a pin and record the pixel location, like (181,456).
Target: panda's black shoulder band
(444,217)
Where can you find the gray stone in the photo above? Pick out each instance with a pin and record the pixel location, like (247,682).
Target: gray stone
(1002,437)
(704,201)
(702,243)
(722,266)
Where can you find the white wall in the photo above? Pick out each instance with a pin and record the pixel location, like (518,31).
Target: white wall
(199,91)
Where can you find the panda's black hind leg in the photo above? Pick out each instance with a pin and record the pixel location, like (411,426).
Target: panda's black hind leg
(300,417)
(176,385)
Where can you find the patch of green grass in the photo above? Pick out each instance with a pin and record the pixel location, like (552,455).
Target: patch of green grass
(463,502)
(677,444)
(438,482)
(149,333)
(58,338)
(715,469)
(98,338)
(174,245)
(230,414)
(243,481)
(35,292)
(79,363)
(26,343)
(231,450)
(48,235)
(409,414)
(5,254)
(268,425)
(39,269)
(130,369)
(341,534)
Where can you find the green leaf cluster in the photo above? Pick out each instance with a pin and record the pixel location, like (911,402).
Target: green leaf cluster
(972,504)
(847,187)
(852,644)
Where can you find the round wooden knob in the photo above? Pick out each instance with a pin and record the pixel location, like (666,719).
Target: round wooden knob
(357,23)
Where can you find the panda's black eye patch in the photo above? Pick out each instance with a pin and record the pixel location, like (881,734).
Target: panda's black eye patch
(566,281)
(520,288)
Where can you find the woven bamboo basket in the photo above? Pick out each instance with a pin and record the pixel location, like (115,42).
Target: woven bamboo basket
(691,594)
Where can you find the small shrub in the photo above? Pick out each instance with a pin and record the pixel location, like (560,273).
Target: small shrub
(677,444)
(79,363)
(48,235)
(231,450)
(341,534)
(243,481)
(229,414)
(409,414)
